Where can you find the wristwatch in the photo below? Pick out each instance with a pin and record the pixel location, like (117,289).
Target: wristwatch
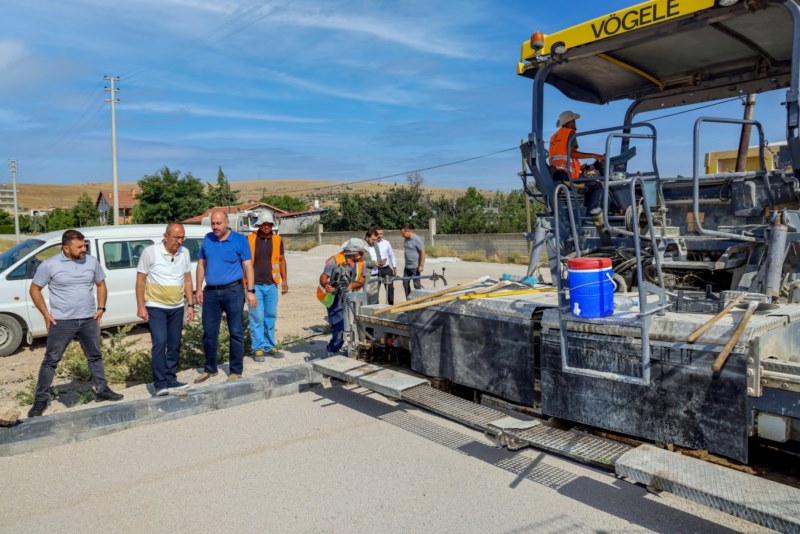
(251,290)
(102,309)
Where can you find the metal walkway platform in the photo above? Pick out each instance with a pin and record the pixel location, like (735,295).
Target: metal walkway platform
(755,499)
(508,431)
(758,500)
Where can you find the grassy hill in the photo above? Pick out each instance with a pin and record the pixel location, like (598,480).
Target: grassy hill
(39,196)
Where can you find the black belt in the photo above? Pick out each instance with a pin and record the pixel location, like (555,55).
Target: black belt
(224,286)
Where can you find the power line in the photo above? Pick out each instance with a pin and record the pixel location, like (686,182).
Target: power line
(404,173)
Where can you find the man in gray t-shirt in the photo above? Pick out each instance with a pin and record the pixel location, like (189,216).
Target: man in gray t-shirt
(414,252)
(72,277)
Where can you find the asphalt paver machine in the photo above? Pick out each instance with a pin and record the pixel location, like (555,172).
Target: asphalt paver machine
(678,361)
(690,247)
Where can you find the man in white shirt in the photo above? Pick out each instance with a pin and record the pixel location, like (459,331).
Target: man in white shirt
(385,267)
(163,283)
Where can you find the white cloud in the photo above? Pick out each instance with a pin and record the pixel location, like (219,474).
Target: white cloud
(201,111)
(11,52)
(412,35)
(383,95)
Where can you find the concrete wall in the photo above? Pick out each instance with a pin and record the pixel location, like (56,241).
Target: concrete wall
(460,243)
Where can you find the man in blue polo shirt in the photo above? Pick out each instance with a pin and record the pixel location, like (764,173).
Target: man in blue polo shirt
(71,277)
(224,263)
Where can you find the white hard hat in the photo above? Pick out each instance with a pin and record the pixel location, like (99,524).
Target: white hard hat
(565,117)
(265,217)
(355,245)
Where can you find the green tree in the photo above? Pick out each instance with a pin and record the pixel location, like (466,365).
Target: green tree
(6,218)
(84,211)
(167,196)
(392,209)
(221,194)
(285,202)
(60,219)
(466,214)
(510,212)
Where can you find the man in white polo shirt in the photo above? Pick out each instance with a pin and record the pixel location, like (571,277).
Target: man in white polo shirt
(163,282)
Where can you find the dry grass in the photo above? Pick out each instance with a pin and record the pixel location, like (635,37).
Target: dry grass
(6,244)
(64,196)
(299,246)
(440,251)
(443,251)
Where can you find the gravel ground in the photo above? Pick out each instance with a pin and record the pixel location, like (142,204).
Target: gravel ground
(299,313)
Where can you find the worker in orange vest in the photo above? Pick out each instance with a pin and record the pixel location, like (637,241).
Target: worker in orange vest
(345,267)
(557,155)
(269,268)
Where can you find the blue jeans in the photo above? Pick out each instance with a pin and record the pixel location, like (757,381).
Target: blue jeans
(58,337)
(166,328)
(231,301)
(336,320)
(263,317)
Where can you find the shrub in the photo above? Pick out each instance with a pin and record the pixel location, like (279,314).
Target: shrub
(192,355)
(27,395)
(86,396)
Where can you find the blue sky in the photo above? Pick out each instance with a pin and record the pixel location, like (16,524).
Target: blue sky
(277,89)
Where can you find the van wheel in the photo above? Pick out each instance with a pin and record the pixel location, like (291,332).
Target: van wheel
(10,335)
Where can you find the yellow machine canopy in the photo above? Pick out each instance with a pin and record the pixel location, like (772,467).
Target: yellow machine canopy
(669,52)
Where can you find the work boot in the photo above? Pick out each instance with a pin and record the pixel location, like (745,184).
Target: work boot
(233,377)
(258,355)
(107,395)
(37,409)
(205,376)
(275,353)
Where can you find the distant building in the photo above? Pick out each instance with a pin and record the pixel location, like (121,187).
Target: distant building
(105,204)
(250,206)
(299,221)
(7,198)
(241,218)
(776,155)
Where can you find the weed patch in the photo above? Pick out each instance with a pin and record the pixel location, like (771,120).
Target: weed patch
(27,395)
(300,246)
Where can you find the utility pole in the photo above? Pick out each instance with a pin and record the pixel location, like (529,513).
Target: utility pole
(744,140)
(16,206)
(115,187)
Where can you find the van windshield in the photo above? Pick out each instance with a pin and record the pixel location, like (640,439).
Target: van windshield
(13,255)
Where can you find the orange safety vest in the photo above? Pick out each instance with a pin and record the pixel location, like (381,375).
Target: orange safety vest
(557,153)
(327,298)
(276,254)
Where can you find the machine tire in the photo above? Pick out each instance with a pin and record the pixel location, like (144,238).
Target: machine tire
(622,285)
(10,335)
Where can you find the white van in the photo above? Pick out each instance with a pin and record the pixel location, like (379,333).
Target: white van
(117,247)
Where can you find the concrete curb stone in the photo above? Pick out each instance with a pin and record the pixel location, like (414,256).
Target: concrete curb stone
(58,429)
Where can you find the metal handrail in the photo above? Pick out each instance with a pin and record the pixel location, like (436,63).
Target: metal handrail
(646,311)
(607,173)
(696,176)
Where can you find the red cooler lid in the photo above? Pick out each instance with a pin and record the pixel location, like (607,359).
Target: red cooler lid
(586,264)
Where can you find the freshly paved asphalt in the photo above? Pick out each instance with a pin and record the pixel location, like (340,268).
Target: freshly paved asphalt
(331,459)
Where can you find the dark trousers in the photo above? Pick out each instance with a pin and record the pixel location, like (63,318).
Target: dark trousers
(411,271)
(231,301)
(592,191)
(387,271)
(336,320)
(374,289)
(166,328)
(60,334)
